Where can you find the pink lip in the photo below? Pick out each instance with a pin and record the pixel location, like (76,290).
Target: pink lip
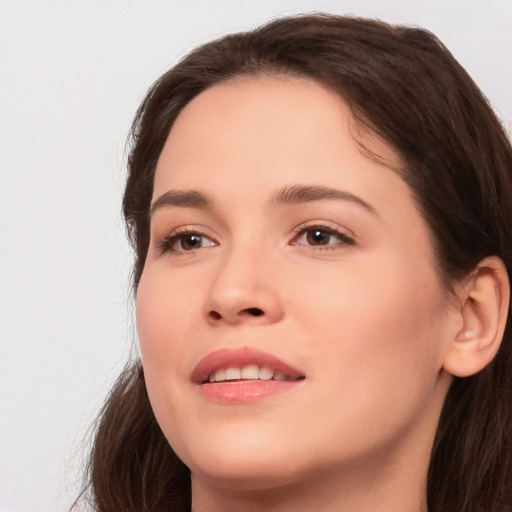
(238,357)
(242,391)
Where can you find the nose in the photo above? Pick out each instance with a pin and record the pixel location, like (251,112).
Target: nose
(244,290)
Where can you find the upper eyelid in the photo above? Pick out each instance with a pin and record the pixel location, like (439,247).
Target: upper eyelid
(183,229)
(201,230)
(347,237)
(331,227)
(327,226)
(162,242)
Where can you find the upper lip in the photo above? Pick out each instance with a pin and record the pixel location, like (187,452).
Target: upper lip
(239,357)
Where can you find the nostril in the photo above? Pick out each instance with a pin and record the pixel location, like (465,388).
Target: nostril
(215,315)
(253,311)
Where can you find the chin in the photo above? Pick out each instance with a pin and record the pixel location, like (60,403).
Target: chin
(244,458)
(244,475)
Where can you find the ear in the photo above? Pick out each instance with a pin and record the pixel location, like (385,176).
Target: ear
(484,304)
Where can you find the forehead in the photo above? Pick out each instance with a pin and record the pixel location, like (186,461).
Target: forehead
(276,122)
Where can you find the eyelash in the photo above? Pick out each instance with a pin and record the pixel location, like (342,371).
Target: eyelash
(168,242)
(303,229)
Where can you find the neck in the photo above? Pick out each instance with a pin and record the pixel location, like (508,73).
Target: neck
(384,489)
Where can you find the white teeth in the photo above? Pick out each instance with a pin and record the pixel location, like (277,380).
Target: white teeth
(266,373)
(233,374)
(219,375)
(248,372)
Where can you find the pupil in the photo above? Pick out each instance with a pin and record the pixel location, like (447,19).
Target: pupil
(318,237)
(191,241)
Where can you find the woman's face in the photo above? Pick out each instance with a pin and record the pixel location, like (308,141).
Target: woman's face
(297,272)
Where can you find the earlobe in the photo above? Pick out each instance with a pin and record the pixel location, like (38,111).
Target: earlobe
(484,304)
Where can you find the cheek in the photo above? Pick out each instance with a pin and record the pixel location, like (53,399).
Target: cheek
(376,352)
(153,312)
(381,324)
(163,321)
(164,325)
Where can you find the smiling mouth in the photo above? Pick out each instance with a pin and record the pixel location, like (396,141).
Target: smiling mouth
(250,372)
(243,375)
(243,363)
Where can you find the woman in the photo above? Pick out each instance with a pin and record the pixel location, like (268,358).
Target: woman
(321,215)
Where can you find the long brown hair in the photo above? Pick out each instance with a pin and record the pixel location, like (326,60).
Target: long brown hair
(403,85)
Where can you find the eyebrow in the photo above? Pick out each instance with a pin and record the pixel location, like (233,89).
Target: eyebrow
(295,194)
(298,194)
(182,198)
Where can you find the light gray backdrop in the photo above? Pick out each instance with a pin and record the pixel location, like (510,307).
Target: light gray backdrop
(71,75)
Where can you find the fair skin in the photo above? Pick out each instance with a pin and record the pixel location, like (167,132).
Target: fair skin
(334,277)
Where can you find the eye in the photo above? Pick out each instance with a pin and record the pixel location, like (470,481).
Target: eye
(321,237)
(185,241)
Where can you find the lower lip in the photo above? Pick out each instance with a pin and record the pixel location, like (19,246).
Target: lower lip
(244,391)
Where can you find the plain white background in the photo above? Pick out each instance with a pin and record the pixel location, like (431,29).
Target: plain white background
(71,76)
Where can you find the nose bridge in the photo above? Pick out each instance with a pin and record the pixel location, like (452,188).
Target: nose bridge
(242,288)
